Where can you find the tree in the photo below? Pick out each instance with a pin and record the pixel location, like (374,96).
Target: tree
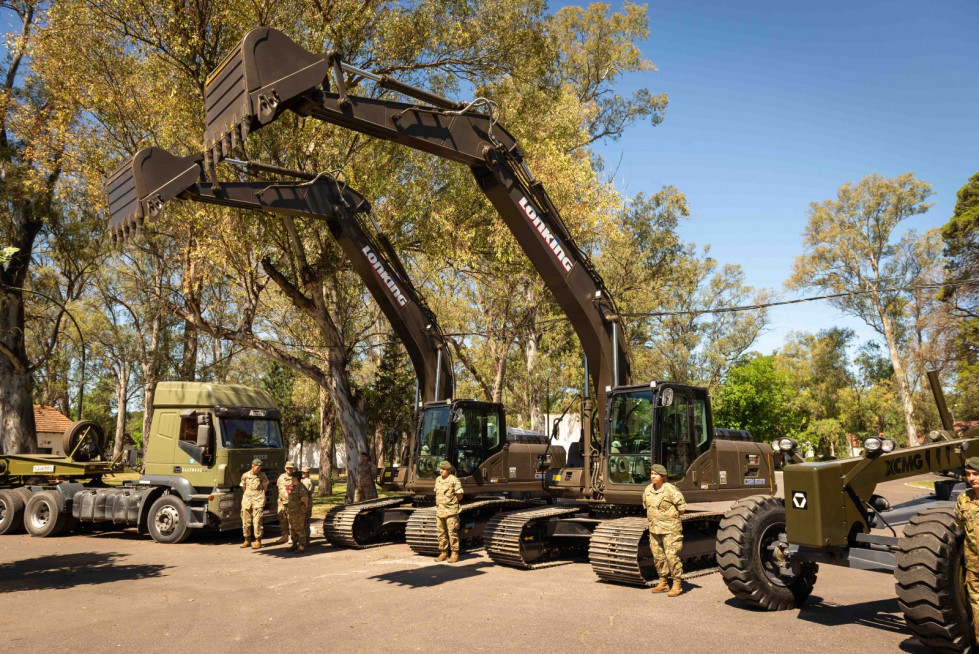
(757,395)
(36,122)
(852,246)
(961,237)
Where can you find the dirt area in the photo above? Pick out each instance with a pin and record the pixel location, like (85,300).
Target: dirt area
(115,591)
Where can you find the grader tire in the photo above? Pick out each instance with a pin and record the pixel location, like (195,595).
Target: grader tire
(930,582)
(748,534)
(11,511)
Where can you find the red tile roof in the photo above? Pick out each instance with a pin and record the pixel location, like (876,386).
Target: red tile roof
(48,419)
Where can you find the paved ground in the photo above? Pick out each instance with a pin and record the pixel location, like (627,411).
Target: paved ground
(117,591)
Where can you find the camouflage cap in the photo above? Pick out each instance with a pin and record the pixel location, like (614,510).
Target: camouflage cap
(972,463)
(306,468)
(257,462)
(290,464)
(445,465)
(659,470)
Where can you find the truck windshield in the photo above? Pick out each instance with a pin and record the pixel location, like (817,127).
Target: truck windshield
(433,441)
(247,433)
(630,437)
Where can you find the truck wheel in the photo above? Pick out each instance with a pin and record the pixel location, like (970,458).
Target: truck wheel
(930,581)
(167,520)
(11,511)
(85,435)
(43,516)
(751,557)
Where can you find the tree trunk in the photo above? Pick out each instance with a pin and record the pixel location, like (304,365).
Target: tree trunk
(122,392)
(902,382)
(188,357)
(18,434)
(327,448)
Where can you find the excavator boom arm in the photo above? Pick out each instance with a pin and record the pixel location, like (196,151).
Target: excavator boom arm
(140,188)
(268,74)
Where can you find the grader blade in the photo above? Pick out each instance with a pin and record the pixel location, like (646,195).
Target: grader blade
(139,188)
(253,85)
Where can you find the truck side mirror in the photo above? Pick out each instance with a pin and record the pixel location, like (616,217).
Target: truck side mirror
(203,436)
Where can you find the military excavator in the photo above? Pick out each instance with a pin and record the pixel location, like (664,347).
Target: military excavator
(472,435)
(601,485)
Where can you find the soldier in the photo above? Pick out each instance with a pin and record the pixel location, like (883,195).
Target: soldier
(967,515)
(365,479)
(281,483)
(254,484)
(308,485)
(664,505)
(296,506)
(448,493)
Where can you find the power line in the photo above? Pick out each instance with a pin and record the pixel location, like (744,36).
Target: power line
(766,305)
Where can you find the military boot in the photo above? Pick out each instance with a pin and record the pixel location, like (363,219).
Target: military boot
(247,543)
(257,545)
(454,558)
(662,587)
(441,557)
(677,588)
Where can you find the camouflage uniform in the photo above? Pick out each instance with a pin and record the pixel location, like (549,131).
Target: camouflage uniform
(281,484)
(663,509)
(967,515)
(308,485)
(447,512)
(297,514)
(253,503)
(365,480)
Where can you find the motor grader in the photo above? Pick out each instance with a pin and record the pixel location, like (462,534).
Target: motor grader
(769,548)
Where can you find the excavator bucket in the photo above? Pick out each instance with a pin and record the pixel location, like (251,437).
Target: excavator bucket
(253,85)
(139,188)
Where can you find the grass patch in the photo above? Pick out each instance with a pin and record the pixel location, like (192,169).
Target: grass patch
(927,485)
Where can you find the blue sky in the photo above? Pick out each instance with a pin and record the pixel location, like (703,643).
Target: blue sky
(774,105)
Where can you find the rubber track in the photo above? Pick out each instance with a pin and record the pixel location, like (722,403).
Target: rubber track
(614,550)
(505,531)
(926,582)
(338,525)
(421,532)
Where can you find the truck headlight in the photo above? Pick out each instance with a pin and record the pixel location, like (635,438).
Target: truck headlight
(872,445)
(786,444)
(227,503)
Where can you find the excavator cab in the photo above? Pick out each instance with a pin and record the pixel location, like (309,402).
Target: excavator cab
(465,433)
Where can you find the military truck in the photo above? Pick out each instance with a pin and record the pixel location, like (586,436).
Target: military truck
(203,437)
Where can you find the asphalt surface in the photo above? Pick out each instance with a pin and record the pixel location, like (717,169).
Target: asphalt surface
(117,591)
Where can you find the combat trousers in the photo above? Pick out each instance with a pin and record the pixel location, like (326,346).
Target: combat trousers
(251,519)
(361,493)
(972,588)
(666,554)
(297,527)
(448,531)
(283,520)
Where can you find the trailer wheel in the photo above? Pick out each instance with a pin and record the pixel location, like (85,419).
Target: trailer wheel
(11,511)
(930,581)
(43,516)
(168,519)
(751,558)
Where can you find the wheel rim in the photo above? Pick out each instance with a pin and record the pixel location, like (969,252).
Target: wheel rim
(41,516)
(167,520)
(3,511)
(769,547)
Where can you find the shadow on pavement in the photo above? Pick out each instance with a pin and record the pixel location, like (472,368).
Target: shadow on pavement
(62,571)
(434,575)
(880,614)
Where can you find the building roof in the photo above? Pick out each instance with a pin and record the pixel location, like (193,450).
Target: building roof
(49,419)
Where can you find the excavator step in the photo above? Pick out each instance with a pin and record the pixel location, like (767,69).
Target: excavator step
(357,526)
(514,539)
